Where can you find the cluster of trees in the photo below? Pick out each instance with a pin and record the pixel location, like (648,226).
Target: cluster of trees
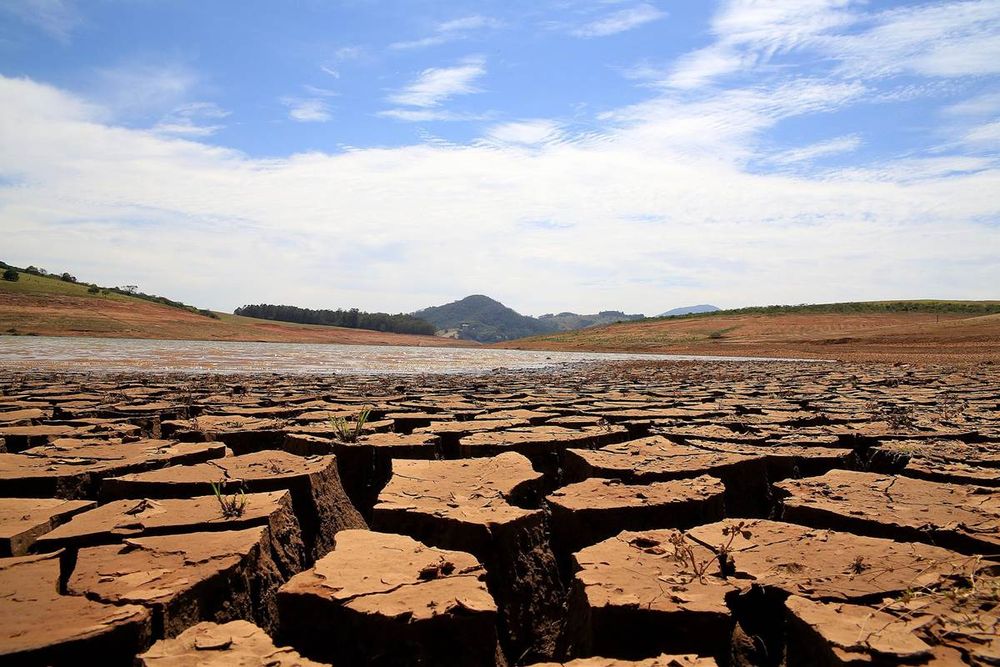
(353,318)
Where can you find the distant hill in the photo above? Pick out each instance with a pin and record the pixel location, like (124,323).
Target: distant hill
(483,319)
(690,310)
(572,321)
(486,320)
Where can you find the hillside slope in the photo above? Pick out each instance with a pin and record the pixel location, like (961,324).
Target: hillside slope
(886,336)
(46,306)
(481,318)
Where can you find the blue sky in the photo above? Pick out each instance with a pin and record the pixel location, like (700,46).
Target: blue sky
(578,154)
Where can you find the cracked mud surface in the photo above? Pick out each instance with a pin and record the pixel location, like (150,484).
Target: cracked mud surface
(683,514)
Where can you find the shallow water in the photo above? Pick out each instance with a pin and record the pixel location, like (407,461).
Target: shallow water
(184,356)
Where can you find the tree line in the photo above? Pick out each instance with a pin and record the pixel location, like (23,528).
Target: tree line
(352,318)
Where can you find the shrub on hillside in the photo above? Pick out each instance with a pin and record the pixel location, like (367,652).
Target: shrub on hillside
(11,275)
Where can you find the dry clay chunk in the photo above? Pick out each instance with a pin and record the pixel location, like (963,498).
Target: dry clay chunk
(185,579)
(319,499)
(213,645)
(466,505)
(595,509)
(961,517)
(24,520)
(659,661)
(74,469)
(389,599)
(38,626)
(122,519)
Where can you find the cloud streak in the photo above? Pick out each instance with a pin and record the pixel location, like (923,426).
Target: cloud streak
(436,85)
(621,21)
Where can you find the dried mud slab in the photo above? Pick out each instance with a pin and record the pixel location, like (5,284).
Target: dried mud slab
(366,465)
(958,517)
(659,459)
(38,626)
(379,598)
(543,445)
(214,645)
(19,438)
(24,520)
(942,461)
(119,520)
(451,432)
(467,505)
(185,579)
(75,469)
(829,565)
(318,498)
(592,510)
(788,460)
(631,587)
(833,634)
(659,661)
(242,434)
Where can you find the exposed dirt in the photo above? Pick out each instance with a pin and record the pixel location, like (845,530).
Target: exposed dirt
(679,514)
(84,315)
(884,337)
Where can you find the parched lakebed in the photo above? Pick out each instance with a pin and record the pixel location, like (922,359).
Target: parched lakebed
(618,513)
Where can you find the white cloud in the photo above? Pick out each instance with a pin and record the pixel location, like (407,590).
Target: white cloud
(140,89)
(195,119)
(426,115)
(642,215)
(449,31)
(307,110)
(983,137)
(980,105)
(437,84)
(943,39)
(835,146)
(620,21)
(58,18)
(749,33)
(530,132)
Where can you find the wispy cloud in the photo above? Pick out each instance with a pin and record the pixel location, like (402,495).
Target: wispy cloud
(528,132)
(449,31)
(138,89)
(437,84)
(307,109)
(620,21)
(57,18)
(944,39)
(427,115)
(821,149)
(195,119)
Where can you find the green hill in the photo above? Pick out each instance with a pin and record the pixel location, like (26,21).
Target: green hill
(481,318)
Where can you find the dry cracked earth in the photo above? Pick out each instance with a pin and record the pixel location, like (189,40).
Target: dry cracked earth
(620,514)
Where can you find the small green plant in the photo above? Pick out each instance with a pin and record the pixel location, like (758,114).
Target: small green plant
(11,275)
(232,505)
(348,431)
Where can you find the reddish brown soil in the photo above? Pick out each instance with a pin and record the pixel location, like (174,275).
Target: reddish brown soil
(751,514)
(71,315)
(884,337)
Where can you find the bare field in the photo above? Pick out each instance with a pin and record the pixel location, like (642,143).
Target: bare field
(33,306)
(891,337)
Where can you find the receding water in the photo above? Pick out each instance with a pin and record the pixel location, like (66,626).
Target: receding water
(186,356)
